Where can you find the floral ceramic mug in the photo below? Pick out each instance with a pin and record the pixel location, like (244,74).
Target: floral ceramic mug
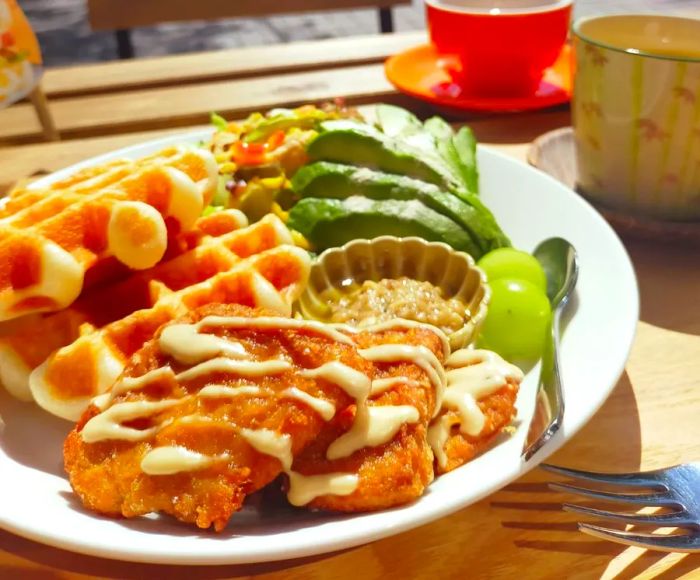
(636,113)
(20,58)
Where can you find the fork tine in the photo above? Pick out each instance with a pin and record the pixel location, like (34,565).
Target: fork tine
(659,520)
(673,543)
(629,479)
(646,499)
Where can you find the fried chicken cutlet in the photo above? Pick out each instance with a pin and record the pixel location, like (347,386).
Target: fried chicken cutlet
(479,403)
(404,396)
(209,411)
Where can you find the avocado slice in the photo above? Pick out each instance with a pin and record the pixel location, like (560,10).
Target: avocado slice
(333,180)
(327,223)
(443,136)
(395,121)
(465,144)
(354,143)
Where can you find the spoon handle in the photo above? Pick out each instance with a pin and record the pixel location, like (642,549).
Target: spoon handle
(549,402)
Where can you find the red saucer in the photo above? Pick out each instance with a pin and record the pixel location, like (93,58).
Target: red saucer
(422,73)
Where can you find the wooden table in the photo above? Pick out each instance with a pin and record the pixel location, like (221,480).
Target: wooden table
(651,419)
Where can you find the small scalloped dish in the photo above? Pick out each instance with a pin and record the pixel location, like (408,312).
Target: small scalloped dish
(340,272)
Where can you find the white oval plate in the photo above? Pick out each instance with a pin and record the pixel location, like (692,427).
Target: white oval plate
(36,499)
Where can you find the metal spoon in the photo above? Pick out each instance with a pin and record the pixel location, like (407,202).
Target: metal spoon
(559,260)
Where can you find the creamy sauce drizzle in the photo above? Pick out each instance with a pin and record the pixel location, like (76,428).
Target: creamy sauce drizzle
(324,408)
(302,488)
(373,426)
(471,376)
(184,343)
(169,460)
(126,384)
(353,382)
(418,355)
(224,391)
(107,425)
(400,323)
(438,433)
(243,368)
(274,323)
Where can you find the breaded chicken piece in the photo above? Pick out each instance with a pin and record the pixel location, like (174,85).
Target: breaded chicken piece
(499,411)
(398,471)
(217,431)
(479,403)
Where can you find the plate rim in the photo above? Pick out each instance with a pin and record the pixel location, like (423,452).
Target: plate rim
(222,556)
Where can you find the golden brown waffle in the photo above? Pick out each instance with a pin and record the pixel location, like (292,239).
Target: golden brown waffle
(50,238)
(29,341)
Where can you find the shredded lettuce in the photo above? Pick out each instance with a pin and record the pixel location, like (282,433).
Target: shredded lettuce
(218,121)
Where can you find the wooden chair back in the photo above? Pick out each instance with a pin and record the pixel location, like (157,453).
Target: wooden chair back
(117,14)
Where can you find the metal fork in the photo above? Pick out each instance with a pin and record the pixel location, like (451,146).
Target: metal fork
(676,488)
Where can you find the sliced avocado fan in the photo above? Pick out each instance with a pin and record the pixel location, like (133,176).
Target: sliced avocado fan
(327,223)
(333,180)
(354,143)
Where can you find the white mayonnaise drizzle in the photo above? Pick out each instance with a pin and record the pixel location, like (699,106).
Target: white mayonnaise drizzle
(373,426)
(438,433)
(353,382)
(271,443)
(470,376)
(302,488)
(238,367)
(126,384)
(324,408)
(418,355)
(399,323)
(108,424)
(274,323)
(224,391)
(184,343)
(175,459)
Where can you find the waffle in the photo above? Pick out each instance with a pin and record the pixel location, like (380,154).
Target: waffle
(26,343)
(50,238)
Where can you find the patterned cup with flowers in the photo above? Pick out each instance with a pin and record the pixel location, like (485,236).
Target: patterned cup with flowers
(636,112)
(20,58)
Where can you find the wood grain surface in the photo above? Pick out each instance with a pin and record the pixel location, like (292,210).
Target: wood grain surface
(651,419)
(224,64)
(110,15)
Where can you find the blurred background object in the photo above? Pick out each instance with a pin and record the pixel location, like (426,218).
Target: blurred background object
(20,57)
(65,34)
(21,66)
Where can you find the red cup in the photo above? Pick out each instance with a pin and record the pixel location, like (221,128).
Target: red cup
(501,48)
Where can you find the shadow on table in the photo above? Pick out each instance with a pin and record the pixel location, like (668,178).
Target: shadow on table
(669,284)
(533,514)
(64,561)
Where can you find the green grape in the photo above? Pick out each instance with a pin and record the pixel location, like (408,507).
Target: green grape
(517,321)
(513,264)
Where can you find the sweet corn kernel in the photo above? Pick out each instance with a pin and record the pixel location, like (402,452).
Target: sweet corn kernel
(228,167)
(300,240)
(279,212)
